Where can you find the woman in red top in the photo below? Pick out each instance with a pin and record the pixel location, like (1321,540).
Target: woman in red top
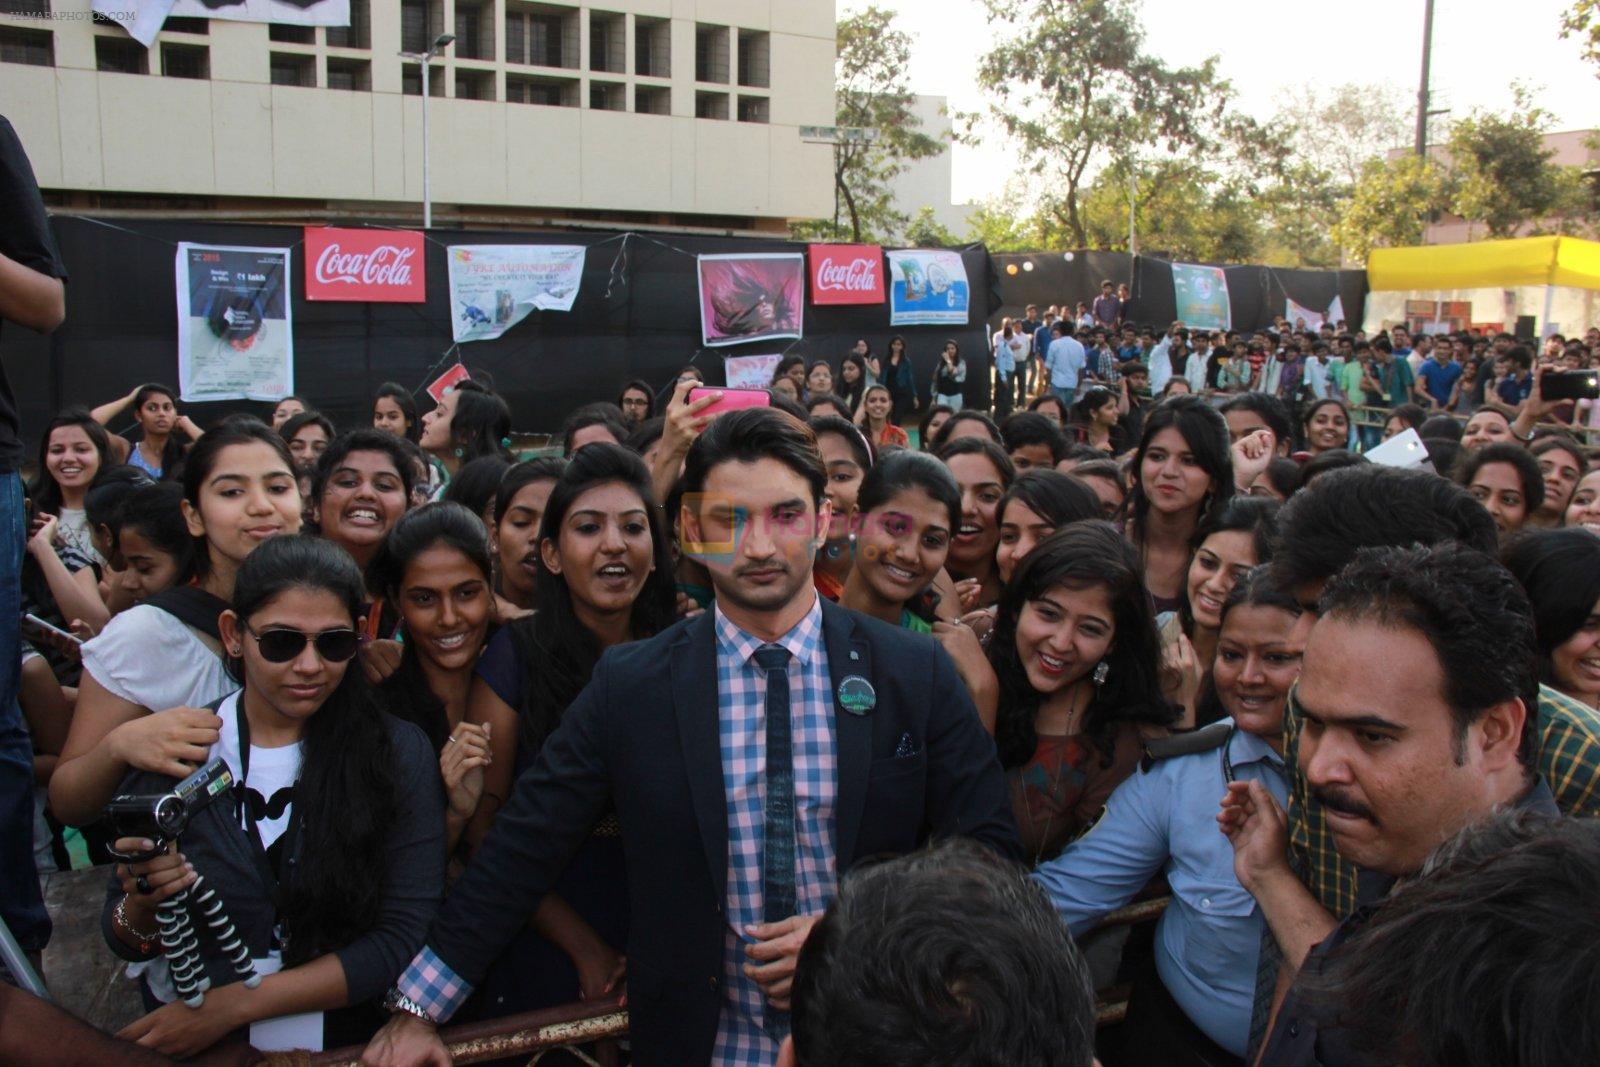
(874,419)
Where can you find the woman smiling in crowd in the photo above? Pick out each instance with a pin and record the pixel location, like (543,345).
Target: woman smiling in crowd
(1074,648)
(984,473)
(1560,570)
(1327,426)
(1563,463)
(1506,480)
(1039,503)
(848,458)
(361,487)
(604,577)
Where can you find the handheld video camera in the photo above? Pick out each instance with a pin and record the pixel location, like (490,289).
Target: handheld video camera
(161,817)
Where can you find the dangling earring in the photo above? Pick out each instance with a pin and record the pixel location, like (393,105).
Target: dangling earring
(460,452)
(1102,670)
(852,544)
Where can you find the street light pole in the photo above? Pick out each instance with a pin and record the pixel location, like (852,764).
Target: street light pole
(1422,90)
(440,43)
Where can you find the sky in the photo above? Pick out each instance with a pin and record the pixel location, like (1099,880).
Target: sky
(1270,46)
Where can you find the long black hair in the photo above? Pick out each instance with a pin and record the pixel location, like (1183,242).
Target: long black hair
(405,402)
(1057,498)
(480,425)
(1560,570)
(557,652)
(172,451)
(1256,589)
(346,798)
(1205,431)
(442,524)
(43,491)
(1257,516)
(1083,555)
(154,512)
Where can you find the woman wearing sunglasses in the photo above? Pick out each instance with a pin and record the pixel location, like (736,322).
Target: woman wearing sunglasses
(327,855)
(239,491)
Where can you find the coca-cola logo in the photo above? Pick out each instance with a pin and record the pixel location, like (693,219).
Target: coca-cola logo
(384,265)
(857,276)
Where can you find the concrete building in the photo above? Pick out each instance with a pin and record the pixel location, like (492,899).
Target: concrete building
(676,113)
(927,182)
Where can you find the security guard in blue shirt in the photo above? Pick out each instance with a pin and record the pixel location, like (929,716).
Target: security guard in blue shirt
(1163,820)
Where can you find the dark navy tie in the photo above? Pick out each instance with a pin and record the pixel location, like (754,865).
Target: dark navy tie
(777,853)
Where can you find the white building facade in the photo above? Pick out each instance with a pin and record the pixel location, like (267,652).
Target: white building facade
(680,113)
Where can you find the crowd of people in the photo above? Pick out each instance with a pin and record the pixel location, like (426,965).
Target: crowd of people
(828,730)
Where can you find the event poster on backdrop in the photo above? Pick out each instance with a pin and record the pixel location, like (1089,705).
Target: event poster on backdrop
(235,337)
(751,297)
(846,274)
(377,266)
(494,287)
(1202,297)
(1301,317)
(750,372)
(927,287)
(143,19)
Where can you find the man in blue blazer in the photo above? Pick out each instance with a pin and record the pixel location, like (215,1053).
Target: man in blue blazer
(753,754)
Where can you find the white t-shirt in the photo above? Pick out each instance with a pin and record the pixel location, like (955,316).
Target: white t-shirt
(147,657)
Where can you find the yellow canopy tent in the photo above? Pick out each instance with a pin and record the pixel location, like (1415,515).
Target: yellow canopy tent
(1564,261)
(1551,279)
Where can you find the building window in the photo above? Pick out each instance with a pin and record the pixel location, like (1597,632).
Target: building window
(185,60)
(356,35)
(421,23)
(652,47)
(608,42)
(711,105)
(608,96)
(291,69)
(411,79)
(652,99)
(24,7)
(542,35)
(755,59)
(474,30)
(549,92)
(36,48)
(292,34)
(711,54)
(121,55)
(474,85)
(180,24)
(752,109)
(354,75)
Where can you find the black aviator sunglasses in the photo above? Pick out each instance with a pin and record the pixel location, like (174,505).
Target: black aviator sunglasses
(282,645)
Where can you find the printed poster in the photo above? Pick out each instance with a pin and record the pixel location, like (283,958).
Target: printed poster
(443,383)
(143,18)
(494,287)
(751,297)
(235,337)
(1336,311)
(1298,313)
(750,372)
(927,287)
(1202,297)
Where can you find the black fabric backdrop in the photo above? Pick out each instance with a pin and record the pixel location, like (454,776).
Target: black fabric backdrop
(1255,294)
(636,316)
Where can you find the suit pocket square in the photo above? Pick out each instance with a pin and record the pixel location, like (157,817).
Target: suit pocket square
(906,747)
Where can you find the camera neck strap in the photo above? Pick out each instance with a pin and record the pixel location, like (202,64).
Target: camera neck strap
(272,875)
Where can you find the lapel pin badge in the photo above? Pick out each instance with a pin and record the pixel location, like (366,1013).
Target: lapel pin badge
(857,695)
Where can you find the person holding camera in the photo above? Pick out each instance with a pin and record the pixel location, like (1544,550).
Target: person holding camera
(328,857)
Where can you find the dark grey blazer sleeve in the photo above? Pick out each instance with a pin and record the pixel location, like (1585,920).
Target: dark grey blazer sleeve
(967,792)
(552,808)
(413,880)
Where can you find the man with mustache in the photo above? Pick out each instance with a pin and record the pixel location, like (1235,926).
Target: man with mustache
(1416,699)
(753,754)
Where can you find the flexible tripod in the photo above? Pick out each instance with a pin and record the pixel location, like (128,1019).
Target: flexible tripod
(178,917)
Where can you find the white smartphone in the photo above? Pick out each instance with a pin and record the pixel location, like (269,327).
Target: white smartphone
(1404,449)
(34,620)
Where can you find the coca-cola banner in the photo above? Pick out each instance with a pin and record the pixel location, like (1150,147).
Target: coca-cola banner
(381,266)
(751,297)
(927,287)
(494,287)
(846,274)
(235,340)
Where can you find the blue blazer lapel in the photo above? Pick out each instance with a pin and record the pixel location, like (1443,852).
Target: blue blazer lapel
(848,654)
(694,698)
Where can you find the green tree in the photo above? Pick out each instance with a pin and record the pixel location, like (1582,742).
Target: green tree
(1073,87)
(1582,21)
(1180,210)
(1391,204)
(1297,215)
(871,92)
(1004,224)
(1502,170)
(925,231)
